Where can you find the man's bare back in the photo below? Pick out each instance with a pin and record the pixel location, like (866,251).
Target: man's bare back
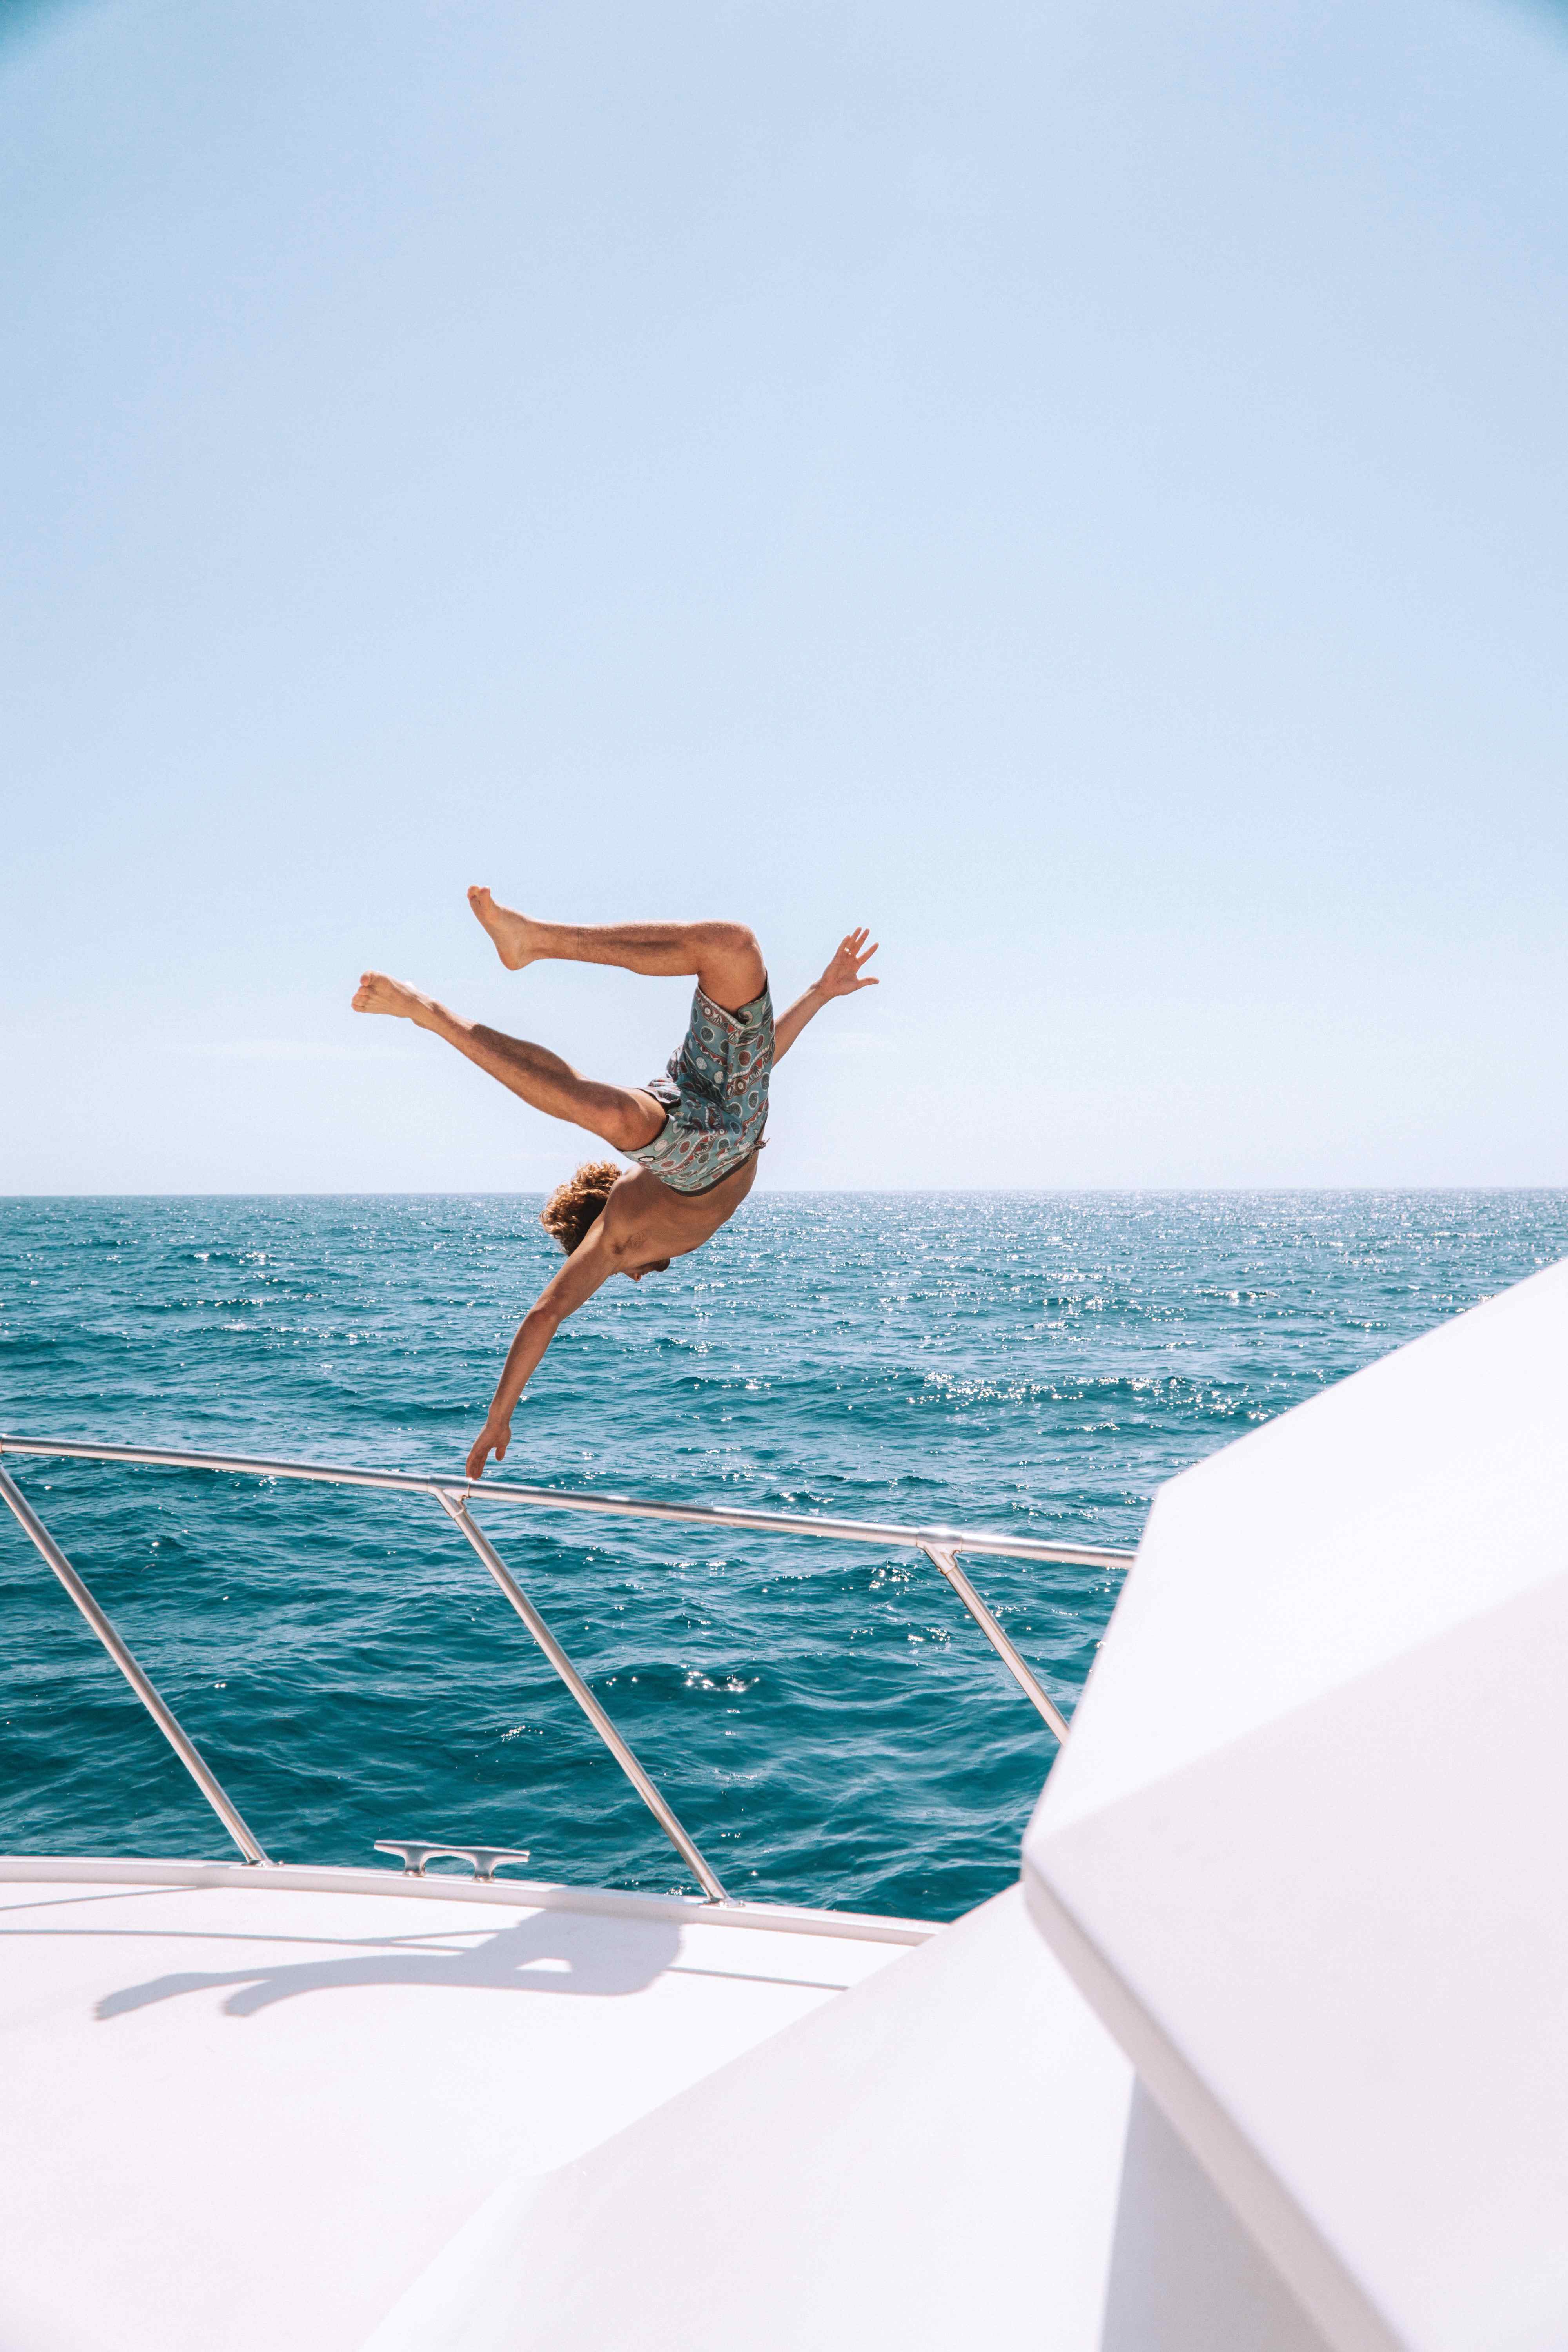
(644,1224)
(698,1129)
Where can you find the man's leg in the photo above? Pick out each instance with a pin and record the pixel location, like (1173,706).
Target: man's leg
(724,957)
(624,1116)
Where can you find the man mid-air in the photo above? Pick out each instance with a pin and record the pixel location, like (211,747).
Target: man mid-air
(697,1131)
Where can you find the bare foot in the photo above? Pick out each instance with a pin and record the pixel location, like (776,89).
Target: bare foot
(377,993)
(512,934)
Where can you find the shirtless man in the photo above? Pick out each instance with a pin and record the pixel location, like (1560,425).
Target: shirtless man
(696,1130)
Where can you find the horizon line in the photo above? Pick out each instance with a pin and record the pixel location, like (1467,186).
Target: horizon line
(835,1191)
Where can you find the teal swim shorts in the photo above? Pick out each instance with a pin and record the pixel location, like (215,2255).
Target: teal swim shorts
(715,1095)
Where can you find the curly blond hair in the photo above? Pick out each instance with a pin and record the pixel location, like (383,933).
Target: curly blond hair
(578,1204)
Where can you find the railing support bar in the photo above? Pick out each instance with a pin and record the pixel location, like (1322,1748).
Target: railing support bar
(185,1748)
(947,1561)
(705,1875)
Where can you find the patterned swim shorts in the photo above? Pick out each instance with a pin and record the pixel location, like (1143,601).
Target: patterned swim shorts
(716,1095)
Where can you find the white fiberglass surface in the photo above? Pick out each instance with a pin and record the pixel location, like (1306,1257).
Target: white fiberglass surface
(954,2156)
(244,2117)
(1411,1497)
(932,2163)
(1303,1852)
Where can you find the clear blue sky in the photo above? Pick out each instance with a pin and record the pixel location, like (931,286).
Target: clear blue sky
(1081,488)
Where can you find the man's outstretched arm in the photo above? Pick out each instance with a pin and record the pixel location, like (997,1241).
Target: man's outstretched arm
(591,1263)
(842,978)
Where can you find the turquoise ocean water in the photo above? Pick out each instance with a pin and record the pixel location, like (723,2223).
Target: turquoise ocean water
(829,1723)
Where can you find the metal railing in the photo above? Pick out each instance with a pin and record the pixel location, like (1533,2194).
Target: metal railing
(941,1546)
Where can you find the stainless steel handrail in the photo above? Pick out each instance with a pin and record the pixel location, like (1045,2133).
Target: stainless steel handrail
(564,1498)
(940,1545)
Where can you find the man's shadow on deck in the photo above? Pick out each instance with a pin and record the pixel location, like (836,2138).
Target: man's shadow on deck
(555,1951)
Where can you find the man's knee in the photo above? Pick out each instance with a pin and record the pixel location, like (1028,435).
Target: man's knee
(627,1126)
(730,965)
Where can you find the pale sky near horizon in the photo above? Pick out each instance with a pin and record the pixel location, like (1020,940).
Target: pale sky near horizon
(1082,491)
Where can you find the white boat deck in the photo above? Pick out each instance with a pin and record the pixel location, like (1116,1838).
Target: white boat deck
(249,2113)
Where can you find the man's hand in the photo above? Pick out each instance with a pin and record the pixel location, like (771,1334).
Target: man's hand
(842,977)
(494,1438)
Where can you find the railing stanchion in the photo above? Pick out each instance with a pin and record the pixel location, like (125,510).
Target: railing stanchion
(162,1716)
(705,1875)
(943,1558)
